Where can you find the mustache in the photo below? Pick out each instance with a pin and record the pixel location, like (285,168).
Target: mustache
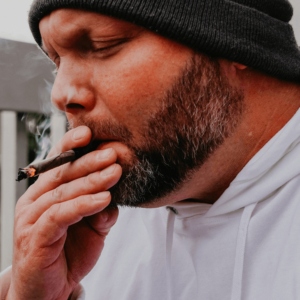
(103,128)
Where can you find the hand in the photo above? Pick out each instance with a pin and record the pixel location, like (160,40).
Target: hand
(61,222)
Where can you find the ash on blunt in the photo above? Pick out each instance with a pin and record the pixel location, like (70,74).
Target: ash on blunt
(198,105)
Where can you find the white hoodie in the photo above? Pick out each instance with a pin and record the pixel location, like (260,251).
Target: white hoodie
(244,247)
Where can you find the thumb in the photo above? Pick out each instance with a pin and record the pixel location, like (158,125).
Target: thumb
(104,220)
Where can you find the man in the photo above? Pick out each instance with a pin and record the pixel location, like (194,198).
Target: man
(195,107)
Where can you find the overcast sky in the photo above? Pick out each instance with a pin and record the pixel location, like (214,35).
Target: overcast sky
(13,20)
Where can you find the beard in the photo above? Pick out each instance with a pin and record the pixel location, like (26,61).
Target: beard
(192,121)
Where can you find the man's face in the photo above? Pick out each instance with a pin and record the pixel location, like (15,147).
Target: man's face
(162,107)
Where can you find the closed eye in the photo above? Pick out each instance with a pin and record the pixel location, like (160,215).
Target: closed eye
(114,45)
(105,48)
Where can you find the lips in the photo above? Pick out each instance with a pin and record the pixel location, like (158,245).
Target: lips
(124,154)
(101,143)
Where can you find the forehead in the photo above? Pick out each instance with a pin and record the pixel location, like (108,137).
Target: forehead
(70,24)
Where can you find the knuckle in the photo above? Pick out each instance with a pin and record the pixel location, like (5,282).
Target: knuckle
(52,213)
(90,160)
(78,204)
(92,179)
(56,174)
(22,241)
(84,162)
(20,212)
(31,189)
(19,207)
(57,194)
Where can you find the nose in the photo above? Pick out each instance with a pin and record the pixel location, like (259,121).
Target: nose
(73,90)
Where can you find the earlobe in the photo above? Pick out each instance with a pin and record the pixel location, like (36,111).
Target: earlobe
(231,67)
(239,66)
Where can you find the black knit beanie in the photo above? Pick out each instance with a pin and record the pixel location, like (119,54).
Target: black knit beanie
(255,33)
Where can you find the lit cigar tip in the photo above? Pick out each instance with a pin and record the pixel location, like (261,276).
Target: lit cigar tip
(31,172)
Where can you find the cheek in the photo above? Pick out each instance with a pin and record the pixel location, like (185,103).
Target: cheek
(134,87)
(133,84)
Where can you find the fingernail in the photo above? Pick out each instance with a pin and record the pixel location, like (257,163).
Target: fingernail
(79,133)
(103,154)
(101,196)
(108,171)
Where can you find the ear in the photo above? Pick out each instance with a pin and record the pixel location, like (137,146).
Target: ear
(232,70)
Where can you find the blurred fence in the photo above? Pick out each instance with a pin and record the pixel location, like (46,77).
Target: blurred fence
(26,78)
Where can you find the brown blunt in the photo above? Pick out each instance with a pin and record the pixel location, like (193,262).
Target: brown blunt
(48,164)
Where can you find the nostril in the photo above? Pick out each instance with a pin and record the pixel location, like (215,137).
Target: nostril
(74,106)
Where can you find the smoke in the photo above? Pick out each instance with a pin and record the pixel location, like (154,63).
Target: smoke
(43,139)
(44,94)
(39,127)
(39,124)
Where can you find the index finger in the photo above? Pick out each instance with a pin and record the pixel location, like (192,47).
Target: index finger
(75,138)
